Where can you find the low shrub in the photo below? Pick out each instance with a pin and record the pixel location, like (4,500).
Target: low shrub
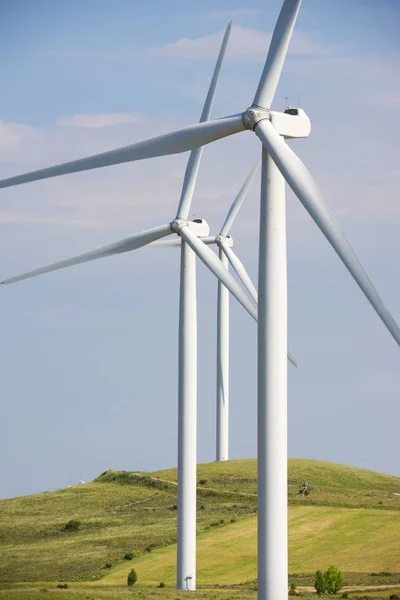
(292,589)
(72,525)
(129,556)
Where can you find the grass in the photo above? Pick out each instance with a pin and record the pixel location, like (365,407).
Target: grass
(359,540)
(88,592)
(138,593)
(332,484)
(350,519)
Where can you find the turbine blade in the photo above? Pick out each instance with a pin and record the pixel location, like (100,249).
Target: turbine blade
(240,270)
(237,203)
(211,261)
(245,278)
(292,359)
(276,54)
(210,239)
(126,245)
(175,142)
(195,156)
(303,185)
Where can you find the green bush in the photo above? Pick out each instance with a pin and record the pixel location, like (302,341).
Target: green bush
(72,525)
(132,577)
(292,589)
(129,556)
(330,582)
(320,583)
(334,580)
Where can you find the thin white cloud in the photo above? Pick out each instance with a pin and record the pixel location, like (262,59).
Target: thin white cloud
(246,43)
(94,121)
(12,135)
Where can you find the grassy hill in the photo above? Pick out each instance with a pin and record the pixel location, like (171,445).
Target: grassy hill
(350,518)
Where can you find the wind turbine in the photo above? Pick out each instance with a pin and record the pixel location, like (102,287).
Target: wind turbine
(187,376)
(226,255)
(279,163)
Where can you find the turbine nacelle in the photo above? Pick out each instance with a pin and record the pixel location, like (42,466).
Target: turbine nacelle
(293,123)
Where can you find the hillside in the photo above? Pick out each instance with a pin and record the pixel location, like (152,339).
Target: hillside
(350,518)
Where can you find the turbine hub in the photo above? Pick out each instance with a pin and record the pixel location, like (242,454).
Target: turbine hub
(199,226)
(177,225)
(254,115)
(227,239)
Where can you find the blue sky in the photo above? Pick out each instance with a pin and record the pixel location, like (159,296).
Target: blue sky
(89,355)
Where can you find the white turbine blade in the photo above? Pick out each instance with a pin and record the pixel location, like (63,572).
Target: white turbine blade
(178,141)
(210,239)
(126,245)
(237,203)
(240,270)
(245,278)
(276,54)
(208,257)
(195,156)
(303,185)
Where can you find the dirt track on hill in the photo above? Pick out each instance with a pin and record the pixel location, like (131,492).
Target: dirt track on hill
(353,588)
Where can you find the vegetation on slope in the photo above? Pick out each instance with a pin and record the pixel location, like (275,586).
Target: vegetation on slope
(136,512)
(359,540)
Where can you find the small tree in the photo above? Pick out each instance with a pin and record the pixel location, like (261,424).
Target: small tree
(320,583)
(132,577)
(334,580)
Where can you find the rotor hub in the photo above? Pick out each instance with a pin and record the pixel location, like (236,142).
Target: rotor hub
(227,239)
(177,224)
(199,226)
(254,115)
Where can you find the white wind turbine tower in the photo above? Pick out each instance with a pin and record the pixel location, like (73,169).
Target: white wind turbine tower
(279,163)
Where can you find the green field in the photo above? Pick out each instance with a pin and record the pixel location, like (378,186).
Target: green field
(350,518)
